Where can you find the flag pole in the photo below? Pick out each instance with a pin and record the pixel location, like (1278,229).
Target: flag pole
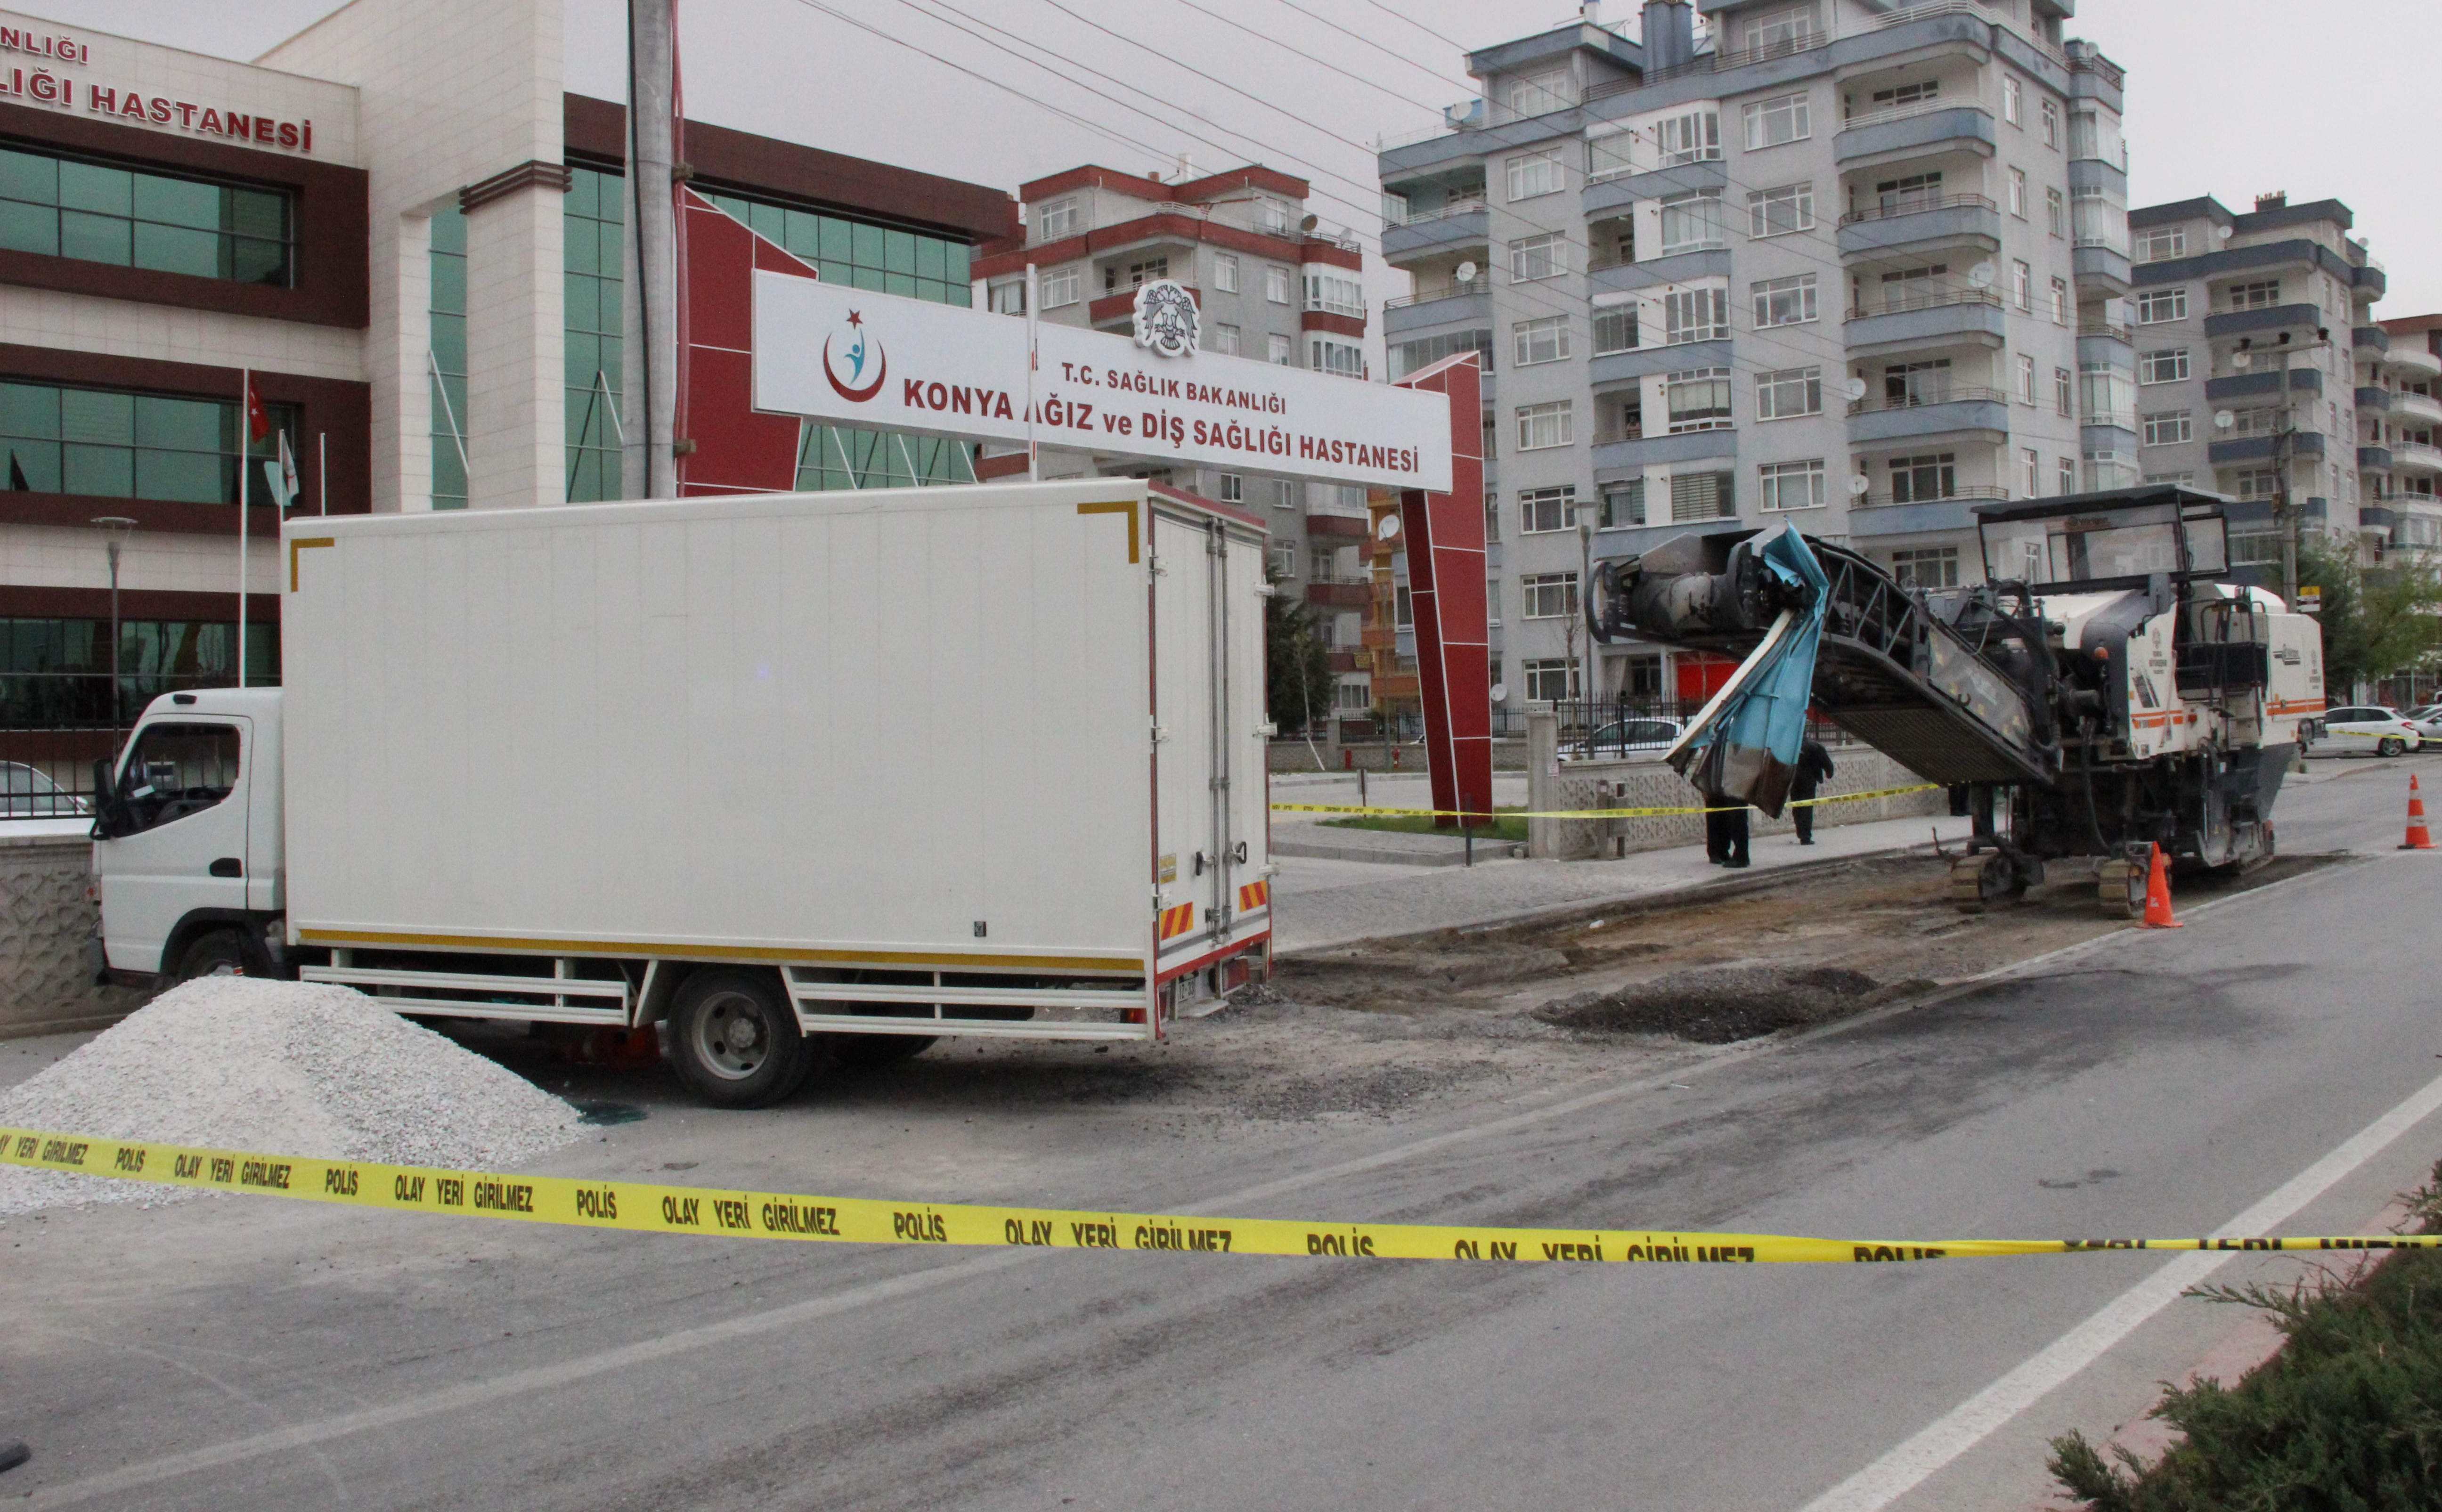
(244,448)
(323,469)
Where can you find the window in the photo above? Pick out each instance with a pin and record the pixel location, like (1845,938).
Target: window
(155,656)
(2174,428)
(1905,385)
(1138,274)
(1542,340)
(2026,378)
(1406,357)
(2109,397)
(60,206)
(1692,222)
(2257,482)
(1273,215)
(1491,599)
(1623,504)
(1549,595)
(1056,218)
(1782,118)
(1536,257)
(117,445)
(1225,340)
(2055,212)
(2160,243)
(1784,302)
(1616,330)
(1285,493)
(1533,174)
(178,770)
(1275,284)
(1926,567)
(2022,284)
(1403,610)
(2261,295)
(1904,95)
(2183,479)
(1610,154)
(1491,516)
(1334,293)
(1919,480)
(1779,211)
(2156,306)
(2064,391)
(1697,399)
(1534,93)
(2031,469)
(1232,487)
(1783,485)
(1550,680)
(1702,495)
(2060,302)
(1778,31)
(2264,420)
(1060,286)
(1225,272)
(1346,358)
(2107,468)
(448,333)
(1915,288)
(1693,138)
(2163,366)
(1282,352)
(1540,511)
(1547,425)
(2018,192)
(2013,93)
(1907,194)
(1696,314)
(2051,125)
(1008,298)
(1789,392)
(2065,476)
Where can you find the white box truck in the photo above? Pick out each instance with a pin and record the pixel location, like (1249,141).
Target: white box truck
(813,777)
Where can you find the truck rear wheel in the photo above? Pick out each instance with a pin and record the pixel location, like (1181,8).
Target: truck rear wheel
(737,1041)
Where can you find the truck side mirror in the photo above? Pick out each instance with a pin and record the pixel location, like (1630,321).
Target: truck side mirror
(109,807)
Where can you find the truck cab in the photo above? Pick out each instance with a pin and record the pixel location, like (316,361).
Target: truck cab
(187,838)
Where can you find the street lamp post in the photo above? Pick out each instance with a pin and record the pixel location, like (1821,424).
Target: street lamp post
(115,530)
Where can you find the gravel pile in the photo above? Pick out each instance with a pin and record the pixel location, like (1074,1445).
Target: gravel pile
(285,1068)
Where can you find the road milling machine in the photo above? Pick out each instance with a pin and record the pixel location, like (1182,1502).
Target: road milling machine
(2106,689)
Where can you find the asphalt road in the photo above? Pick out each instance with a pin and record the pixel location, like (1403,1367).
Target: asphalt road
(255,1354)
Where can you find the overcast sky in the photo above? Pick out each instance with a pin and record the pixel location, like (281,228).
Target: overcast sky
(2228,97)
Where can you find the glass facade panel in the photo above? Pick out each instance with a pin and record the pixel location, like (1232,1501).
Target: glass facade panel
(448,374)
(63,206)
(55,673)
(118,445)
(593,213)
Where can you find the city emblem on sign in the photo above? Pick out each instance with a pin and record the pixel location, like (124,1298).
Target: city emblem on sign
(1166,318)
(850,387)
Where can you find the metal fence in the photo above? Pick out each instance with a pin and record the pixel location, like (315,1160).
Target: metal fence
(48,774)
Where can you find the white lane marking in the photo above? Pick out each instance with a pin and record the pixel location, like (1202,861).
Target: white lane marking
(1960,1429)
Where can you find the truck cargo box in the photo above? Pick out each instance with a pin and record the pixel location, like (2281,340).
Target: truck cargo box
(987,758)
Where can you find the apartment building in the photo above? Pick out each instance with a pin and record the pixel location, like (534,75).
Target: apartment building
(1266,285)
(1830,261)
(2400,420)
(2262,375)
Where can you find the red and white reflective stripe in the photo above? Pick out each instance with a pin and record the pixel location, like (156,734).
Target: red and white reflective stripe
(1178,920)
(1254,895)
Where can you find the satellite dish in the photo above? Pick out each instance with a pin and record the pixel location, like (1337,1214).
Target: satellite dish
(1856,389)
(1857,485)
(1500,691)
(2223,420)
(1310,223)
(2221,233)
(1982,275)
(2241,357)
(1467,272)
(1389,527)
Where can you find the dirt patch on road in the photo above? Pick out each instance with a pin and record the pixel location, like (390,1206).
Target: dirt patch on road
(1721,1004)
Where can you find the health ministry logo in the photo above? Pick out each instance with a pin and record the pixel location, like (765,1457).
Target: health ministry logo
(861,354)
(1167,320)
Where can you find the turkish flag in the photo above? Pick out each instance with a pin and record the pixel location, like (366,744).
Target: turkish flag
(258,423)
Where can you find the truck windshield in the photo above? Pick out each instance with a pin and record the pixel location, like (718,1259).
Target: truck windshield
(177,770)
(2089,547)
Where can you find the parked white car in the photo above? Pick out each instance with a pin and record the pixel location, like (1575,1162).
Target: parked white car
(2371,727)
(2428,721)
(26,792)
(1623,738)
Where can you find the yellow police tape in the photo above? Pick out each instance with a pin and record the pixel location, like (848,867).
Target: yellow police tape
(649,1208)
(1592,813)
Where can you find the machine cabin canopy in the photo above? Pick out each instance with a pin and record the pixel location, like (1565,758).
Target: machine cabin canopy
(2123,538)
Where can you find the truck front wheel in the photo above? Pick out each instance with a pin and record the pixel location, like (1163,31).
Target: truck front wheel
(737,1041)
(214,953)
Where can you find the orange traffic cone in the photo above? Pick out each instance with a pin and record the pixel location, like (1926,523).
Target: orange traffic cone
(2419,838)
(2157,894)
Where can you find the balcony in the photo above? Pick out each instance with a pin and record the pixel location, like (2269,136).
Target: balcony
(2411,407)
(2415,457)
(2374,458)
(1614,368)
(2369,338)
(1938,315)
(2414,361)
(2372,398)
(1921,221)
(1345,661)
(2101,264)
(2105,331)
(2253,385)
(1336,527)
(1340,593)
(1912,131)
(1679,267)
(1122,306)
(2265,448)
(1882,514)
(1621,452)
(2369,282)
(2270,317)
(1466,222)
(1928,412)
(1614,193)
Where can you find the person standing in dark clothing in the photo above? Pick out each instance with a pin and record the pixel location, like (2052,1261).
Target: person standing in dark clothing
(1813,770)
(1725,832)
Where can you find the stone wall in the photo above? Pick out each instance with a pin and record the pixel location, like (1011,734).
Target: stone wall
(47,926)
(1294,755)
(1647,783)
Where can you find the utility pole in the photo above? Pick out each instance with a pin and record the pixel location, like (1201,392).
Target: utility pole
(648,317)
(115,531)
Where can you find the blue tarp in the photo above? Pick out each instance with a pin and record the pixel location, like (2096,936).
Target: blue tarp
(1744,747)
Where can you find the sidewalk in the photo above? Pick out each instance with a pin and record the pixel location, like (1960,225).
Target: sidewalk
(1320,902)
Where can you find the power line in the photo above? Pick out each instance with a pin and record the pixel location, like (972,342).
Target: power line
(1419,26)
(1434,74)
(1307,55)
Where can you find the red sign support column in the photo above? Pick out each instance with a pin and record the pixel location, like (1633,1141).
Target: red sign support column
(1444,535)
